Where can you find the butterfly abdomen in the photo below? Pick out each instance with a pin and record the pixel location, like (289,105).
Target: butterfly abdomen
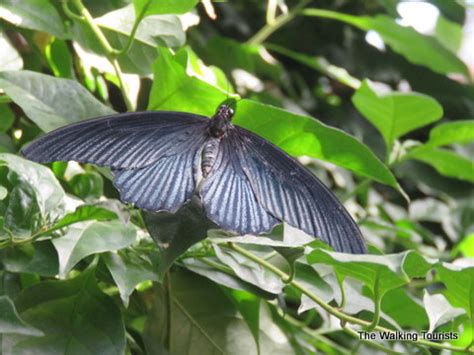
(209,155)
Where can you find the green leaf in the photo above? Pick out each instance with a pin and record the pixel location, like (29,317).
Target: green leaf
(174,89)
(396,114)
(59,59)
(10,59)
(307,276)
(225,332)
(405,309)
(3,192)
(249,270)
(38,15)
(446,162)
(75,316)
(466,246)
(85,213)
(82,240)
(7,116)
(416,47)
(301,135)
(156,7)
(459,282)
(88,185)
(393,270)
(439,310)
(460,132)
(174,233)
(11,323)
(39,258)
(128,273)
(51,102)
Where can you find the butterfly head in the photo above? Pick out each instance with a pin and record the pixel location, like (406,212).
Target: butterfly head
(220,122)
(225,113)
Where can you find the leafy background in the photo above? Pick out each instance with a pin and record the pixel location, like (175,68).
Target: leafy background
(82,273)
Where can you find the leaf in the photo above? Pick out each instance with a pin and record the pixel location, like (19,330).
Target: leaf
(82,240)
(461,132)
(39,258)
(7,116)
(3,193)
(128,273)
(224,332)
(466,246)
(88,185)
(174,89)
(249,270)
(459,281)
(174,233)
(11,323)
(395,114)
(392,270)
(439,310)
(301,135)
(85,213)
(51,102)
(157,7)
(307,276)
(47,190)
(10,59)
(38,15)
(416,47)
(446,162)
(405,309)
(74,315)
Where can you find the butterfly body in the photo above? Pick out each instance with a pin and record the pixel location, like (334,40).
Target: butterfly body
(248,184)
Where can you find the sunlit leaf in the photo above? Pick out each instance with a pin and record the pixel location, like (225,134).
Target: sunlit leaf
(10,58)
(461,132)
(156,7)
(439,310)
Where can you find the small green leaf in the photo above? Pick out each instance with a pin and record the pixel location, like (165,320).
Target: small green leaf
(466,246)
(10,321)
(128,273)
(301,135)
(10,58)
(396,114)
(51,102)
(38,15)
(446,162)
(74,315)
(88,185)
(82,240)
(156,7)
(59,58)
(459,281)
(416,47)
(85,213)
(460,132)
(7,116)
(439,310)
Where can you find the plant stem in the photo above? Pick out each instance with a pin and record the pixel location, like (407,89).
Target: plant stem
(280,21)
(110,52)
(131,37)
(331,310)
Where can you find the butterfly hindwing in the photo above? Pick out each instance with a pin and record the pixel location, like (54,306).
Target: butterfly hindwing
(291,193)
(227,195)
(121,141)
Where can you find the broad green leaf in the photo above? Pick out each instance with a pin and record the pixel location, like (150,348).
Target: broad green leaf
(405,309)
(48,192)
(38,15)
(36,258)
(10,58)
(446,162)
(7,117)
(85,213)
(416,47)
(174,89)
(439,310)
(307,276)
(466,246)
(89,238)
(128,273)
(10,321)
(174,233)
(88,185)
(460,132)
(249,307)
(396,114)
(392,270)
(75,316)
(51,102)
(459,282)
(225,332)
(249,270)
(156,7)
(301,135)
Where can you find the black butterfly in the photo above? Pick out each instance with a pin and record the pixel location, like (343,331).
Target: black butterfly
(248,184)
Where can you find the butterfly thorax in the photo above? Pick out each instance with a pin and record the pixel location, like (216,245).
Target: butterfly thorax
(218,126)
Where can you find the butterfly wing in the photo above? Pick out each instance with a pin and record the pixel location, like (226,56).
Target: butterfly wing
(120,141)
(227,194)
(285,190)
(154,155)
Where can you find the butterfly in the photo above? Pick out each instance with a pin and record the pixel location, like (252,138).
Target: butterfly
(247,185)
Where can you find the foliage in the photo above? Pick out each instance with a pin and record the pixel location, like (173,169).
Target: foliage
(83,273)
